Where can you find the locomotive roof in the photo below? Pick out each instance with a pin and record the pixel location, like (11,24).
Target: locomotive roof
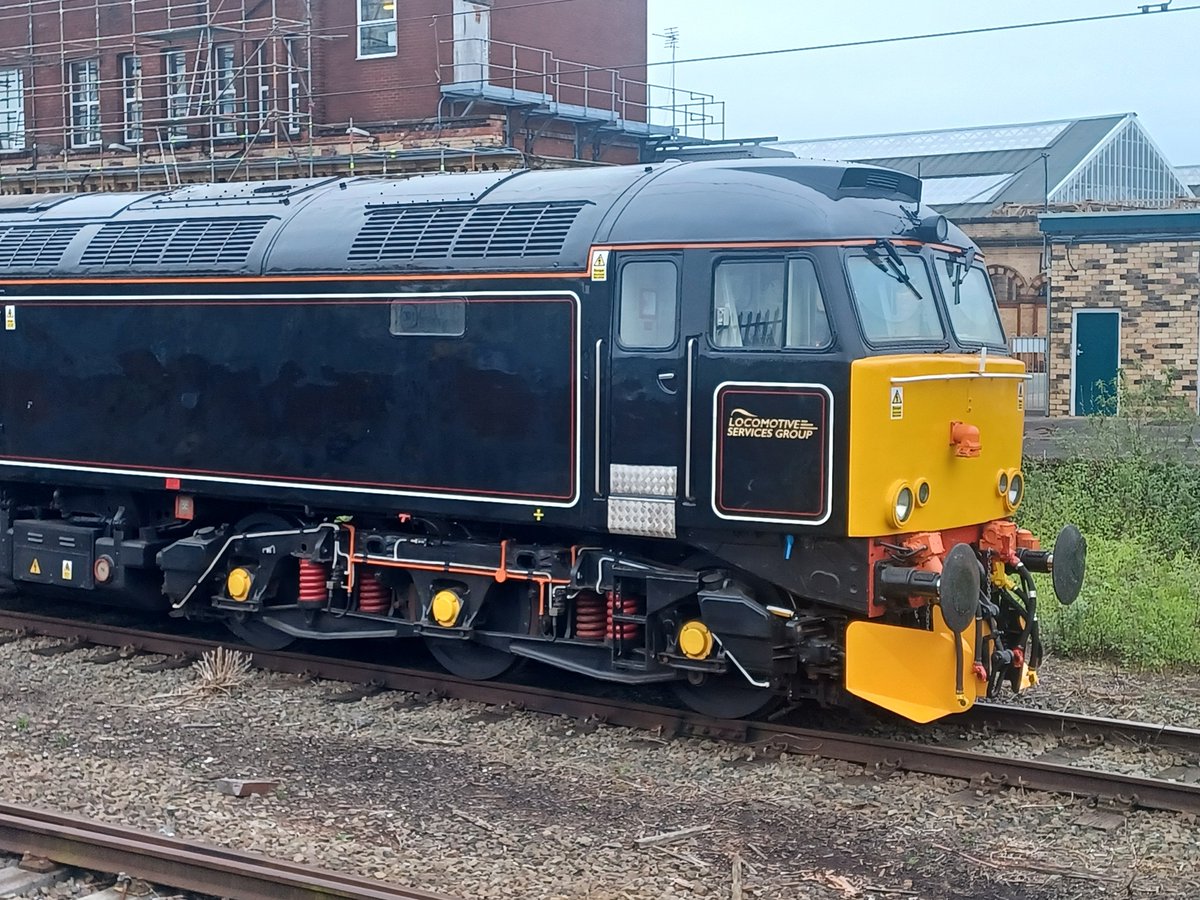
(484,221)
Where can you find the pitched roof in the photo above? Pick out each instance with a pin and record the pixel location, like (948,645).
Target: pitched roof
(972,171)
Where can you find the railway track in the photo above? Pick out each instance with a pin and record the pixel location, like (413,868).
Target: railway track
(179,864)
(881,753)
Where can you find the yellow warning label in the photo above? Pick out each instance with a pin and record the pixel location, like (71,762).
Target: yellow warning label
(66,570)
(10,318)
(599,265)
(34,568)
(896,402)
(1021,396)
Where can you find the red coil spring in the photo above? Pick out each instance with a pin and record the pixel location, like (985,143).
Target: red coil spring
(373,597)
(313,576)
(624,606)
(590,617)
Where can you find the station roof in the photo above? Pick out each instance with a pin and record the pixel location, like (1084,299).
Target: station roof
(1190,175)
(971,172)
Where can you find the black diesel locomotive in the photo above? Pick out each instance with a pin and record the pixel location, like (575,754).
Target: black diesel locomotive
(744,427)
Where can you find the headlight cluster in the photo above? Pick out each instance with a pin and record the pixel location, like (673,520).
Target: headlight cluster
(906,498)
(1010,485)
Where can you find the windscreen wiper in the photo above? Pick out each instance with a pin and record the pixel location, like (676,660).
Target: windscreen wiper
(961,264)
(896,264)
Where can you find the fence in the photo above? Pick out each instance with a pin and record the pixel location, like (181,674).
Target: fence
(1031,350)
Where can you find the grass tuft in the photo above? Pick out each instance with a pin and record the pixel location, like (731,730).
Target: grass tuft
(222,670)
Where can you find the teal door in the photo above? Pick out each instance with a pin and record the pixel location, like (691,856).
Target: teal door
(1097,358)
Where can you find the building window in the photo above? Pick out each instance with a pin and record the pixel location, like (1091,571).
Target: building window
(226,84)
(376,28)
(292,48)
(85,103)
(175,65)
(12,110)
(131,93)
(264,87)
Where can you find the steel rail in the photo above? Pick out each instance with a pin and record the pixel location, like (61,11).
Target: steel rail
(1024,719)
(928,759)
(181,864)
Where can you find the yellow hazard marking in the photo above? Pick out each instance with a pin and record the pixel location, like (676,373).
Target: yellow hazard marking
(66,570)
(34,568)
(1021,395)
(599,265)
(896,402)
(10,318)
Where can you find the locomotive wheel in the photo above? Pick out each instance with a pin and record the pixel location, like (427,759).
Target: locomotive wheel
(506,609)
(728,696)
(259,634)
(467,659)
(251,630)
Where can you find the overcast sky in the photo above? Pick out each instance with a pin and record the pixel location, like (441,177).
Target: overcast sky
(1149,65)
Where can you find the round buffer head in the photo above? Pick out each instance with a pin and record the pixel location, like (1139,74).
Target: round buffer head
(1070,561)
(958,589)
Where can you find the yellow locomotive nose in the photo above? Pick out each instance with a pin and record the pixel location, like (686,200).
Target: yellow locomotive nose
(950,423)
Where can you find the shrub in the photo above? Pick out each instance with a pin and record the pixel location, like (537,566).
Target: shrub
(1133,486)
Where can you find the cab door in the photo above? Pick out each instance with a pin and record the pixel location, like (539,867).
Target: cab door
(646,397)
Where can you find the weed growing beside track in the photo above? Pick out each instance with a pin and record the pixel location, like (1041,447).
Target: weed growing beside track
(1133,485)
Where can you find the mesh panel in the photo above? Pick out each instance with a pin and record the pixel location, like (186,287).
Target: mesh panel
(34,247)
(174,244)
(463,230)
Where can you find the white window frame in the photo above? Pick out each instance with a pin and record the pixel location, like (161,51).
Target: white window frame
(264,86)
(175,89)
(84,100)
(12,110)
(225,79)
(291,49)
(132,103)
(387,22)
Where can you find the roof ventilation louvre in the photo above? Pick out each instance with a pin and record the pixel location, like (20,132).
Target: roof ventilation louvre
(34,247)
(465,231)
(882,184)
(175,243)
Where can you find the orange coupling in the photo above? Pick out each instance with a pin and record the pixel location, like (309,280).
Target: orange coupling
(1000,538)
(964,438)
(927,548)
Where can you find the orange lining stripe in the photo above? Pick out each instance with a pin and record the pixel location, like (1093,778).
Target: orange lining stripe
(585,275)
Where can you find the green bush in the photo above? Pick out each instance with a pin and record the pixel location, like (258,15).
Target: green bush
(1133,487)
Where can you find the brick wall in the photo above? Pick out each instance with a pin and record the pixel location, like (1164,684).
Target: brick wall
(385,95)
(1156,286)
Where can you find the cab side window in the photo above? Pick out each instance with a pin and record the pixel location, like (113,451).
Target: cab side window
(769,305)
(649,297)
(807,321)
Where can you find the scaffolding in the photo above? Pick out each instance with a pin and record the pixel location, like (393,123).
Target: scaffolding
(138,94)
(203,85)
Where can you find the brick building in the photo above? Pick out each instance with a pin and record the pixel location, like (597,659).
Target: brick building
(994,181)
(96,94)
(1125,298)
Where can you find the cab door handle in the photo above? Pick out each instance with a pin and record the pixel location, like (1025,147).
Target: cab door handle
(666,382)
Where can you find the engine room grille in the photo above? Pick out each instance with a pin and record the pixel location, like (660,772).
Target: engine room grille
(465,230)
(194,242)
(34,247)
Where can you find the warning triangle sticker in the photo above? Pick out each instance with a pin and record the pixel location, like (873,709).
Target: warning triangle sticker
(35,569)
(897,395)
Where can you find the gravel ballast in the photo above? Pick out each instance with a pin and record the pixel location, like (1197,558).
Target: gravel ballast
(482,802)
